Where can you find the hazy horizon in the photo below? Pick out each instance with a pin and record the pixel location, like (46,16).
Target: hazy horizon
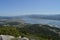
(28,7)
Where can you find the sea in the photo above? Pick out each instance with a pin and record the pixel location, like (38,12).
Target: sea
(42,21)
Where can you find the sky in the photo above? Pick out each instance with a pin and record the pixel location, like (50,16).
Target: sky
(28,7)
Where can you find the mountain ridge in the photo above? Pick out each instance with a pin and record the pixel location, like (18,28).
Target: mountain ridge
(50,17)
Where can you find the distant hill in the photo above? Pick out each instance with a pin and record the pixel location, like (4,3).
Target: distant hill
(50,17)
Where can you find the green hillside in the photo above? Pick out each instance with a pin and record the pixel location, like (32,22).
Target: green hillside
(32,31)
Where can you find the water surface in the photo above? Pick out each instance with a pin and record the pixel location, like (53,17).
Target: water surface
(41,21)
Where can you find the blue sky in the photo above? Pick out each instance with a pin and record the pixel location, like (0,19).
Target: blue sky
(26,7)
